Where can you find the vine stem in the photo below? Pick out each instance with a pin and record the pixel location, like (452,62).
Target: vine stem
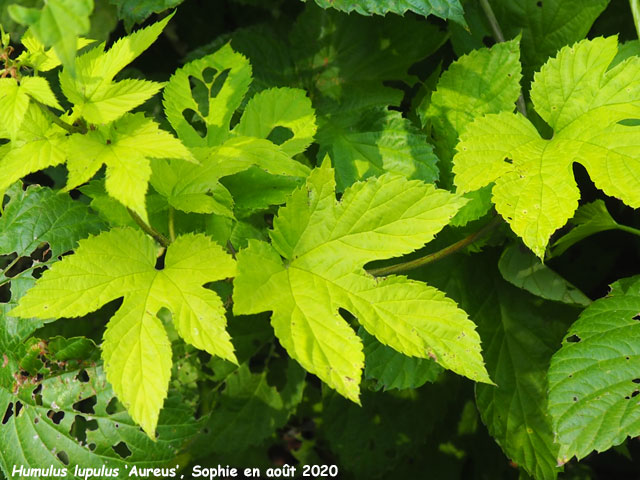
(157,236)
(55,119)
(635,10)
(172,224)
(499,36)
(445,252)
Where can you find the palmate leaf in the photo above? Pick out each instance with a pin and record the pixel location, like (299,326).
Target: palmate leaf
(222,152)
(314,266)
(57,25)
(125,147)
(136,349)
(92,91)
(485,81)
(15,99)
(39,144)
(594,378)
(447,9)
(585,104)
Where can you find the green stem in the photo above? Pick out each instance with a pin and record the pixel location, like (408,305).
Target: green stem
(157,236)
(635,10)
(445,252)
(493,21)
(628,229)
(499,36)
(55,119)
(172,222)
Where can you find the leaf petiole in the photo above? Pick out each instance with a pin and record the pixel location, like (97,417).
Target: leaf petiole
(445,252)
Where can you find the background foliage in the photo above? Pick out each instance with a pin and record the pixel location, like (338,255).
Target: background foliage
(236,177)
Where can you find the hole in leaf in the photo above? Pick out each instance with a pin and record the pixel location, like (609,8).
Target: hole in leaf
(36,420)
(637,317)
(7,414)
(122,449)
(200,93)
(56,417)
(635,394)
(539,4)
(37,395)
(160,261)
(112,406)
(636,380)
(509,161)
(64,458)
(42,253)
(279,135)
(488,41)
(573,339)
(92,446)
(575,399)
(82,376)
(86,405)
(219,83)
(5,293)
(194,119)
(209,74)
(18,408)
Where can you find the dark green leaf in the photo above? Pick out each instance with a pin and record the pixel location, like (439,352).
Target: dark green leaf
(137,11)
(37,215)
(392,370)
(447,9)
(594,378)
(520,267)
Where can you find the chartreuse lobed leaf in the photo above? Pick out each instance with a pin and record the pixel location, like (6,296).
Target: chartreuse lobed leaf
(40,58)
(281,112)
(447,9)
(92,91)
(57,25)
(39,144)
(285,108)
(15,98)
(228,76)
(125,147)
(120,263)
(484,81)
(585,104)
(594,378)
(314,266)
